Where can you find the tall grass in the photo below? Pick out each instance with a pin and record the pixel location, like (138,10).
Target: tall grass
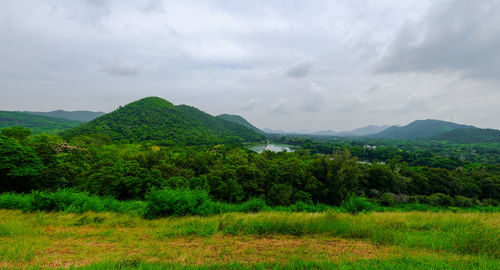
(179,202)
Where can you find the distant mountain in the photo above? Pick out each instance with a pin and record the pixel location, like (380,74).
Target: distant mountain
(83,116)
(239,120)
(37,123)
(364,131)
(418,129)
(470,135)
(155,119)
(273,131)
(326,133)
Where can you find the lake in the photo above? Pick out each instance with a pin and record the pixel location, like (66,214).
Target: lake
(271,147)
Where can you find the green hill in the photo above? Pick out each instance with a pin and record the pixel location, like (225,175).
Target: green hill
(37,123)
(155,119)
(83,116)
(239,120)
(470,135)
(418,129)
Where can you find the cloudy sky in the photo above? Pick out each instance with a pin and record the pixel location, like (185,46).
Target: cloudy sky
(331,64)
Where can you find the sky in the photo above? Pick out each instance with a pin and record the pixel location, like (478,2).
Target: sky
(288,65)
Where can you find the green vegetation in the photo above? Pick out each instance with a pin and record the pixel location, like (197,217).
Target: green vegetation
(153,185)
(239,120)
(418,129)
(155,119)
(470,135)
(82,116)
(231,174)
(392,240)
(37,123)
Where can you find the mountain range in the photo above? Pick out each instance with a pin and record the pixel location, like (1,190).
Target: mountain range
(155,119)
(419,129)
(371,129)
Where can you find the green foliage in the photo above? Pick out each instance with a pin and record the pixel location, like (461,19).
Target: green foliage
(178,202)
(470,135)
(37,123)
(18,133)
(67,201)
(18,165)
(356,205)
(155,119)
(253,206)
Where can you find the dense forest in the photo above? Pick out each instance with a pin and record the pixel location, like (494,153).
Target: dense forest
(319,172)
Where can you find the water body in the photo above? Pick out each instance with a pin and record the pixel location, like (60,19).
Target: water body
(271,147)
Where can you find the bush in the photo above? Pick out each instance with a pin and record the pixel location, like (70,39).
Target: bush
(441,199)
(253,206)
(67,201)
(309,208)
(179,202)
(462,201)
(387,199)
(358,204)
(15,201)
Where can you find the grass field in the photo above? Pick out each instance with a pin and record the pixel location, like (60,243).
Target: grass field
(276,240)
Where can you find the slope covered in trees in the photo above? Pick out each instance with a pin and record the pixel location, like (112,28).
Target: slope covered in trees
(155,119)
(37,123)
(239,120)
(470,135)
(418,129)
(83,116)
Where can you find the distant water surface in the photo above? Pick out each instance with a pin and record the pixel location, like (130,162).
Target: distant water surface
(271,147)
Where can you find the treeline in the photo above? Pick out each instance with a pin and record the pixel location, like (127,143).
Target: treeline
(232,174)
(424,152)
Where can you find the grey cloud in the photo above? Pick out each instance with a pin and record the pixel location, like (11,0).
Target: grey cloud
(120,70)
(250,104)
(314,98)
(299,70)
(281,106)
(414,104)
(153,5)
(97,3)
(459,36)
(219,55)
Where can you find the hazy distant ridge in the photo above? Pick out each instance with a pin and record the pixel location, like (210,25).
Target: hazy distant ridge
(419,129)
(83,116)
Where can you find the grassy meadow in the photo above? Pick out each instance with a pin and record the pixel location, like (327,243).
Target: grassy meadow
(274,239)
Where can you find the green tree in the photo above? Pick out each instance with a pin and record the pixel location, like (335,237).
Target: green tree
(18,166)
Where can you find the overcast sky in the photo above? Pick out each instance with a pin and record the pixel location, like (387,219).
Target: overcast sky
(286,64)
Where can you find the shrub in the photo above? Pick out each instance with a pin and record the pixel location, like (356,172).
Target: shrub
(358,204)
(15,201)
(179,202)
(387,199)
(310,208)
(253,206)
(462,201)
(441,199)
(67,201)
